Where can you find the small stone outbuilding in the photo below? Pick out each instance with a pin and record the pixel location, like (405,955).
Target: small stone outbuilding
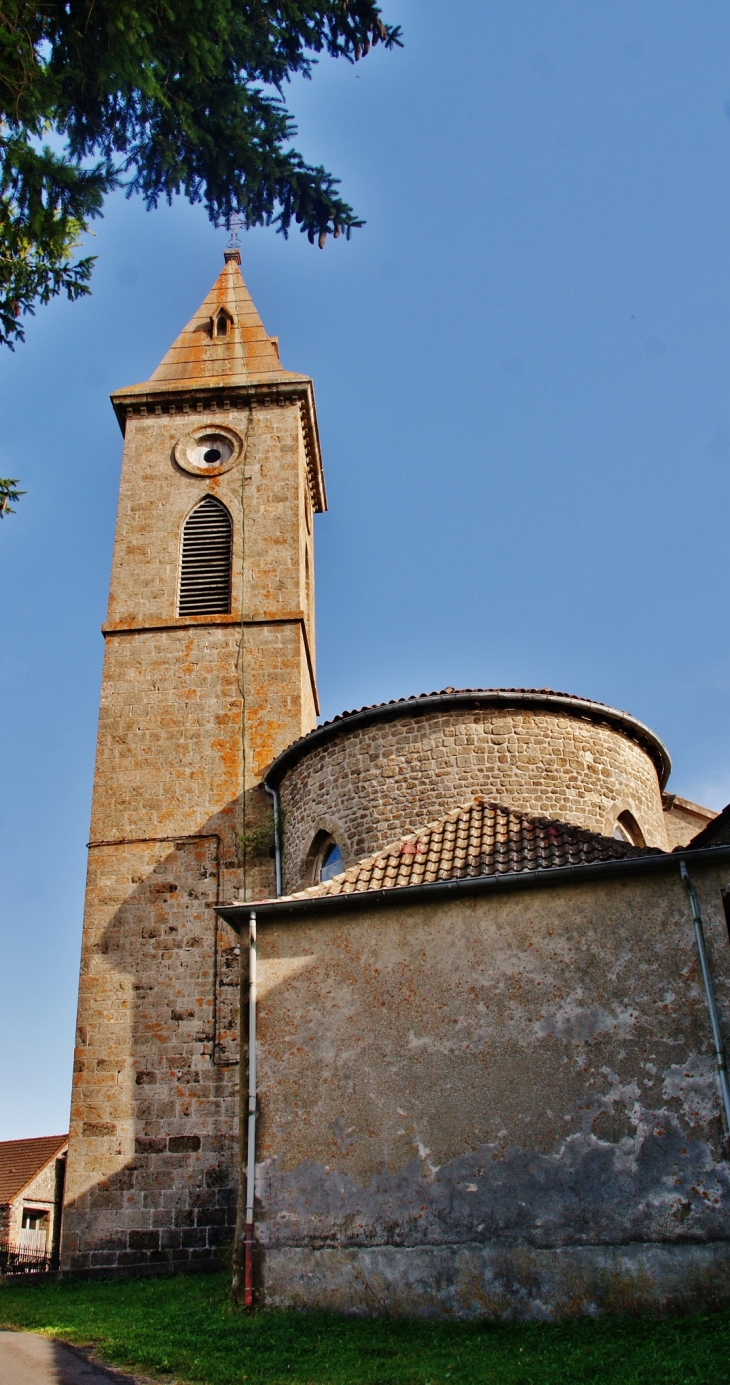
(32,1174)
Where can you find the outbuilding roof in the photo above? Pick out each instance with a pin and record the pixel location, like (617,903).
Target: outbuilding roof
(535,699)
(22,1160)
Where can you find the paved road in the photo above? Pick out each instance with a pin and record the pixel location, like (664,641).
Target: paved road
(29,1360)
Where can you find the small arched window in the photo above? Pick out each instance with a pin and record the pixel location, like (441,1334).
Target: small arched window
(324,859)
(221,323)
(627,830)
(330,862)
(205,562)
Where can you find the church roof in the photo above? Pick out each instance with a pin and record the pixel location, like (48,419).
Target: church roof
(22,1160)
(545,699)
(201,357)
(716,833)
(477,840)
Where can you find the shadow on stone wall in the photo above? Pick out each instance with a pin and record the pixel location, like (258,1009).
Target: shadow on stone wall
(153,1161)
(153,1155)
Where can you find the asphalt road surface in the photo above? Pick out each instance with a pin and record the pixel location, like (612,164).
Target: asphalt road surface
(29,1360)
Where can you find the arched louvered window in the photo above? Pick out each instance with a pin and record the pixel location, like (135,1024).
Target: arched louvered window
(205,564)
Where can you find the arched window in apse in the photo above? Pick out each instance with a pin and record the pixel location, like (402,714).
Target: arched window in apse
(205,562)
(330,861)
(627,830)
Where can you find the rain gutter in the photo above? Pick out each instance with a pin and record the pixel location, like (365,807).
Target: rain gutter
(251,1116)
(720,1060)
(579,707)
(288,907)
(277,833)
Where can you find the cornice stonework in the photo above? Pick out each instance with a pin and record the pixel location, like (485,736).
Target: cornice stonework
(191,400)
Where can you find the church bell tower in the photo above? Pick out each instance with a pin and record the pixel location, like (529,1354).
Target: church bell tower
(209,673)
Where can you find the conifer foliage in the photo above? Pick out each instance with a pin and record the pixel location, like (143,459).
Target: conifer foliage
(8,491)
(163,97)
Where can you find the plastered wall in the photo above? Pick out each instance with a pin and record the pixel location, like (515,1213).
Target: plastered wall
(504,1105)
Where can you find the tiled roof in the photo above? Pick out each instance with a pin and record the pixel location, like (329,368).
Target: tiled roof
(479,839)
(456,692)
(21,1160)
(541,698)
(716,833)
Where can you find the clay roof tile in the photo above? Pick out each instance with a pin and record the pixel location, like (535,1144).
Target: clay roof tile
(479,839)
(22,1160)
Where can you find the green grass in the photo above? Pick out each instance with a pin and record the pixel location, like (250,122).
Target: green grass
(185,1329)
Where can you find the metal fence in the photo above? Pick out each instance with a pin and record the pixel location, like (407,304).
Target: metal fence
(18,1259)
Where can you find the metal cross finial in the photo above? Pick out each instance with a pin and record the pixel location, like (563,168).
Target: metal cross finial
(234,226)
(232,251)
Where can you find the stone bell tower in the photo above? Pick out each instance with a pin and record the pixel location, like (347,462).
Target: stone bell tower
(208,674)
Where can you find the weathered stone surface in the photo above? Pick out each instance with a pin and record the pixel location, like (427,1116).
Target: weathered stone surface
(448,1091)
(684,819)
(513,1281)
(371,785)
(192,711)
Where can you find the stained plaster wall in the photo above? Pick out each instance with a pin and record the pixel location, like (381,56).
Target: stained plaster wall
(502,1105)
(192,711)
(372,784)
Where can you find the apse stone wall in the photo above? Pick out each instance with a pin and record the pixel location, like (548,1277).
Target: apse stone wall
(684,819)
(372,784)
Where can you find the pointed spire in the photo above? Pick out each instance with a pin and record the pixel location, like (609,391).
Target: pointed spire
(224,344)
(224,348)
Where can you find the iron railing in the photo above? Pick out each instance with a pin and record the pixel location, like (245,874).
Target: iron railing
(16,1259)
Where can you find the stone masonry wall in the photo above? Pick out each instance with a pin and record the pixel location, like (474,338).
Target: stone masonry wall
(683,820)
(371,785)
(192,711)
(41,1192)
(154,1109)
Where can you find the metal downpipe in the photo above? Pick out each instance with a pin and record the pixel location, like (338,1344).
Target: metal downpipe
(720,1059)
(252,1099)
(277,837)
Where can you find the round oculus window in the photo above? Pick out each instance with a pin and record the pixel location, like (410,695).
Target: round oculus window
(212,449)
(209,451)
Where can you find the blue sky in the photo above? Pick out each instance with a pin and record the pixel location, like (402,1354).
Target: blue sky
(522,368)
